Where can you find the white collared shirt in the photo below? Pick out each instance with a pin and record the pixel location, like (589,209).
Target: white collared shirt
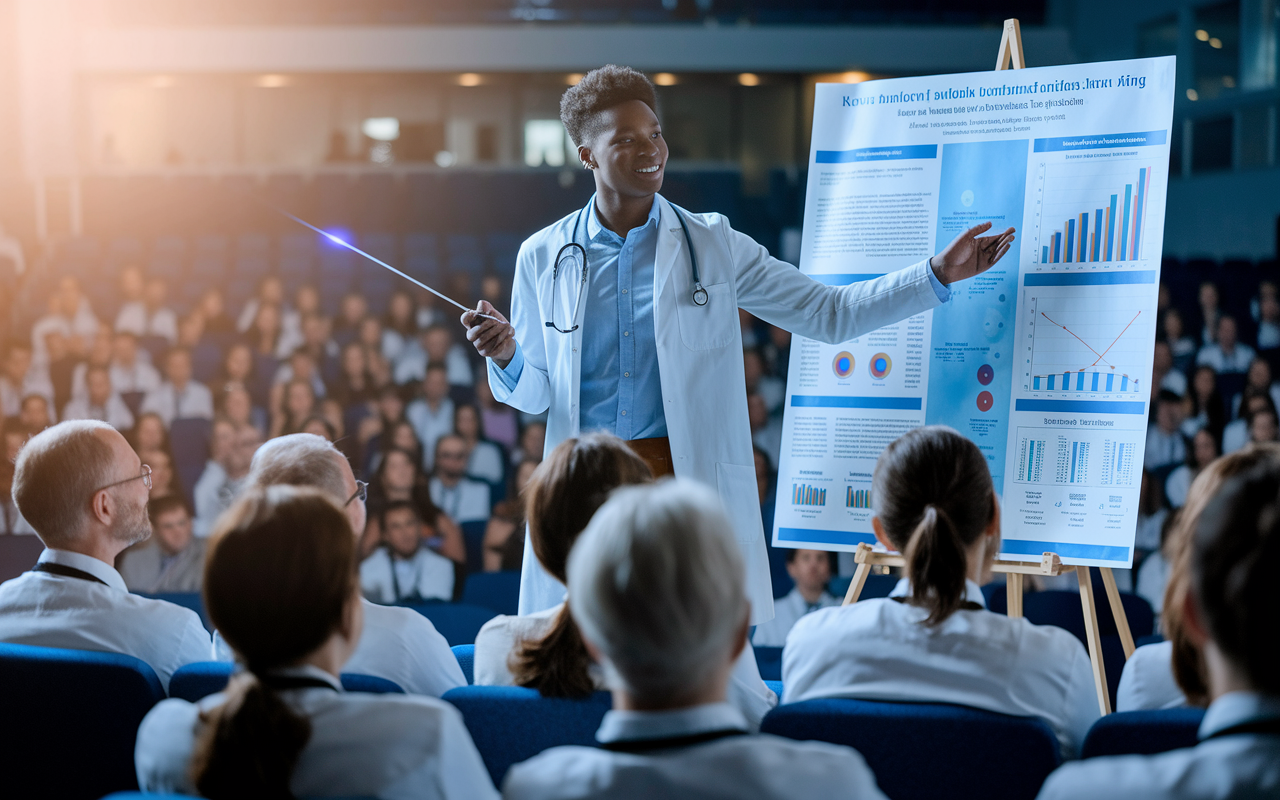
(736,766)
(466,501)
(787,611)
(1236,766)
(426,575)
(500,636)
(388,746)
(1147,682)
(879,649)
(36,381)
(411,361)
(430,426)
(397,644)
(138,377)
(191,402)
(50,610)
(134,318)
(114,412)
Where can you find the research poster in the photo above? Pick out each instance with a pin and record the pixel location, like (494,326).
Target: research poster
(1044,361)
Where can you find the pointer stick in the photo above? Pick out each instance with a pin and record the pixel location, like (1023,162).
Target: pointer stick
(354,249)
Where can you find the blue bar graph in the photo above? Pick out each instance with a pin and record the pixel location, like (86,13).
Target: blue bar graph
(1097,233)
(1071,238)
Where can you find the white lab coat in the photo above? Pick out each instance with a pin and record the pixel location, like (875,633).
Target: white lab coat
(699,358)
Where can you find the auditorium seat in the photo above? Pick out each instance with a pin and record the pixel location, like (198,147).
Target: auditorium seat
(71,703)
(473,537)
(189,443)
(499,591)
(1143,732)
(915,749)
(195,681)
(769,660)
(510,724)
(466,655)
(458,623)
(876,586)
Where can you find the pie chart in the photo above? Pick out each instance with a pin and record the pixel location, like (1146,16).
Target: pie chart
(985,401)
(842,364)
(986,374)
(880,365)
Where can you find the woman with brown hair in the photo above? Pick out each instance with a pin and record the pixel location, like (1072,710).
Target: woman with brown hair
(935,641)
(281,586)
(544,650)
(1171,673)
(400,479)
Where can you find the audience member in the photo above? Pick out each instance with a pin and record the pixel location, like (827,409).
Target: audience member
(60,365)
(811,571)
(766,431)
(85,492)
(1165,445)
(231,449)
(162,478)
(15,436)
(933,640)
(1163,373)
(270,293)
(213,308)
(147,315)
(484,459)
(281,587)
(533,442)
(398,644)
(463,499)
(1206,407)
(1257,382)
(35,412)
(435,345)
(499,421)
(1230,600)
(179,397)
(1181,345)
(130,372)
(173,561)
(297,402)
(772,390)
(1226,353)
(100,402)
(1204,449)
(266,335)
(400,479)
(354,385)
(504,535)
(543,650)
(404,569)
(1210,312)
(1264,425)
(400,325)
(656,586)
(21,379)
(1269,321)
(70,316)
(432,414)
(99,356)
(150,434)
(1151,515)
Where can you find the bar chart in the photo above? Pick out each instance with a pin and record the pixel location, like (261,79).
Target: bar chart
(1078,349)
(1079,457)
(1072,461)
(1119,463)
(802,494)
(1093,213)
(857,498)
(1030,459)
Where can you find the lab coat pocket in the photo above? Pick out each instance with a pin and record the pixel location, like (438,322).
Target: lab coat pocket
(741,498)
(710,326)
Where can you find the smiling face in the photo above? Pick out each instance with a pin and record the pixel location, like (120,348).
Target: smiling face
(628,153)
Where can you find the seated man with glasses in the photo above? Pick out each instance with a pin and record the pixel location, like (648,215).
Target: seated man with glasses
(84,490)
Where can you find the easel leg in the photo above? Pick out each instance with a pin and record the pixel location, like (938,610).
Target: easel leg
(1117,610)
(855,586)
(1095,639)
(1013,593)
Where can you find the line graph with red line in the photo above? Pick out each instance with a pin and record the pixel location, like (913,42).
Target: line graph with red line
(1099,348)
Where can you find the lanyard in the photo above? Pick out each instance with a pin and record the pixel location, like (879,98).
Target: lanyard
(1264,727)
(284,682)
(67,572)
(395,582)
(642,746)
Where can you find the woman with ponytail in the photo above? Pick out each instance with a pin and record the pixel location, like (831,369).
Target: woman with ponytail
(544,650)
(281,585)
(932,640)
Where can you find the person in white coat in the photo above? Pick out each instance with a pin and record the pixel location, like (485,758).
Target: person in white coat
(281,587)
(404,569)
(936,504)
(657,588)
(1229,610)
(624,317)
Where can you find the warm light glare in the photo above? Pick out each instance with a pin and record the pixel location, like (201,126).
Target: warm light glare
(1193,95)
(161,82)
(271,81)
(1202,35)
(572,78)
(665,79)
(1215,43)
(749,79)
(854,77)
(469,79)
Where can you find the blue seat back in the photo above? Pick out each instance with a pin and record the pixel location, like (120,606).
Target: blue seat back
(458,623)
(71,703)
(1143,732)
(194,682)
(510,724)
(473,537)
(466,655)
(769,662)
(499,591)
(916,749)
(189,442)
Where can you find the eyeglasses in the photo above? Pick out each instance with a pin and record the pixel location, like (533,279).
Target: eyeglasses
(362,492)
(145,476)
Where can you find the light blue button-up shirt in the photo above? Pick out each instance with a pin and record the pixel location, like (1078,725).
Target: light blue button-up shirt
(621,389)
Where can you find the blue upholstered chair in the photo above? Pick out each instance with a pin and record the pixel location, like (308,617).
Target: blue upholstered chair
(194,682)
(57,702)
(458,623)
(919,751)
(769,661)
(466,655)
(473,538)
(499,591)
(1143,732)
(510,724)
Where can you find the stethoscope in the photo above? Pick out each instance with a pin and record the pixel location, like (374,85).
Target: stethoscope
(574,255)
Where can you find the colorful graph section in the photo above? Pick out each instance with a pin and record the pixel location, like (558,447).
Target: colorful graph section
(802,494)
(857,498)
(842,365)
(880,366)
(1093,382)
(1077,457)
(1100,218)
(1084,345)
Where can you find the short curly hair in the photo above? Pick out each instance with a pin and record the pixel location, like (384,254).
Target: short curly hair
(599,90)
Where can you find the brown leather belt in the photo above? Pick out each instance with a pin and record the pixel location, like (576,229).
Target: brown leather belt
(656,453)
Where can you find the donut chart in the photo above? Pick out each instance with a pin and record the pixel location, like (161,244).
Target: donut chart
(986,374)
(880,365)
(985,401)
(843,364)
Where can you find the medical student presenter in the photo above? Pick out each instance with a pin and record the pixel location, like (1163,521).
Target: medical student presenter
(624,317)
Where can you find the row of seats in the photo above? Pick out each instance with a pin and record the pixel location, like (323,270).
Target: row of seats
(979,753)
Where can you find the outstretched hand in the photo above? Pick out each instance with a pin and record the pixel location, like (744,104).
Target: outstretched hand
(971,253)
(492,338)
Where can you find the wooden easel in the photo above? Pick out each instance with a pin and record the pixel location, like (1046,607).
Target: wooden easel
(1050,564)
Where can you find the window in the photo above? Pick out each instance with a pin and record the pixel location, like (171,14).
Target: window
(544,143)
